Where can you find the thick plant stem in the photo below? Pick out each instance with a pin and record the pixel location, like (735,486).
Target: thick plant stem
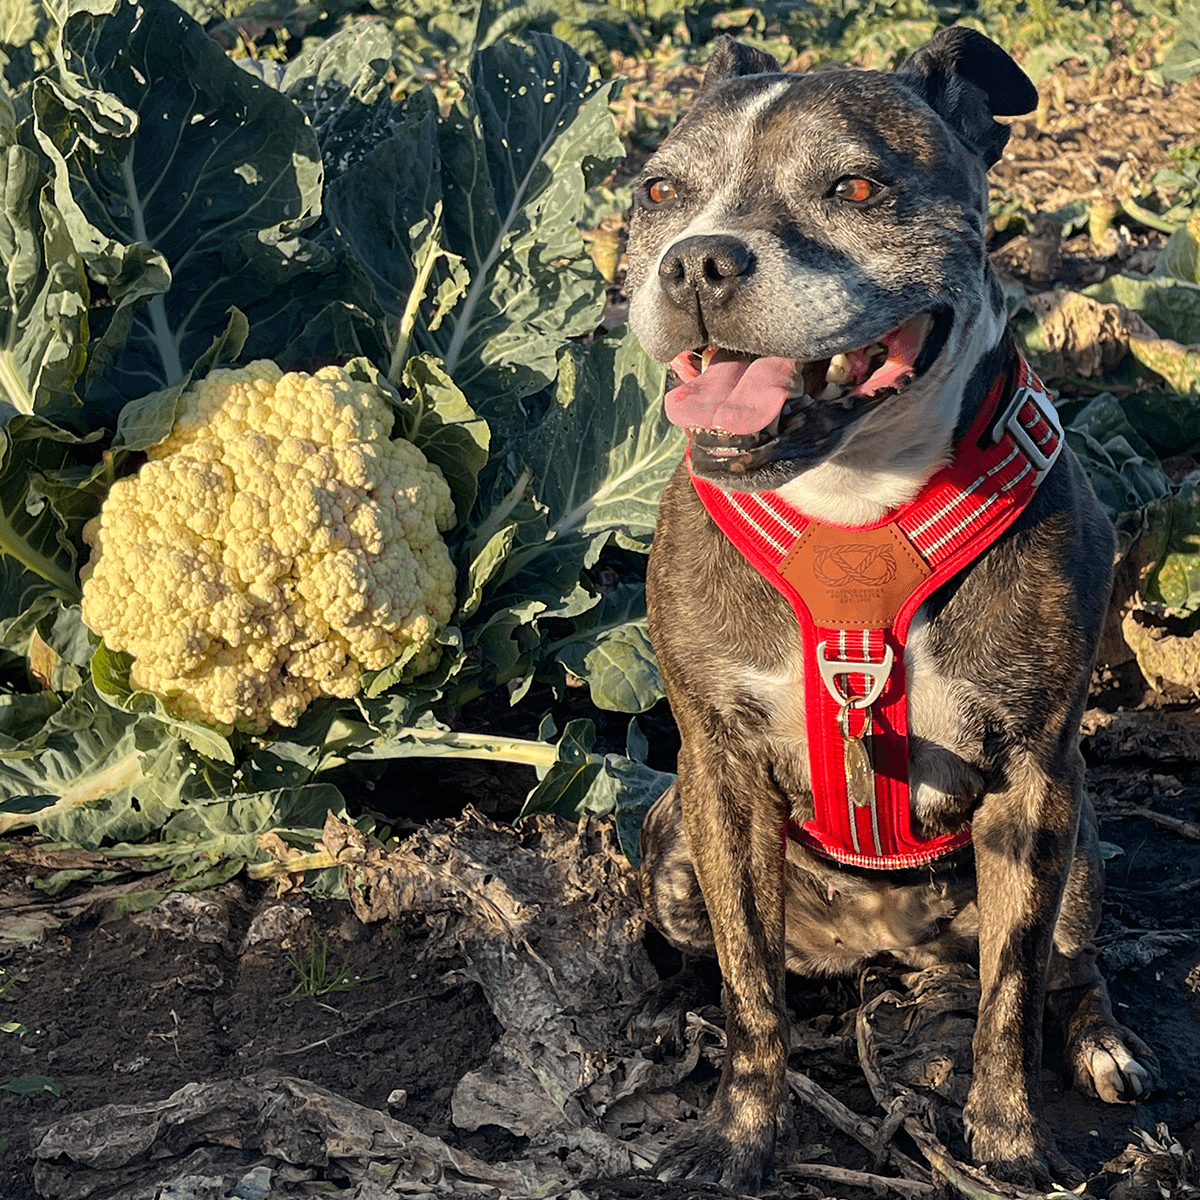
(428,254)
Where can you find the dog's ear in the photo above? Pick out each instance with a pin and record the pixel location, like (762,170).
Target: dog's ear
(730,59)
(967,79)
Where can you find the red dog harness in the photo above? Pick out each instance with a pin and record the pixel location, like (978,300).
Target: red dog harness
(854,592)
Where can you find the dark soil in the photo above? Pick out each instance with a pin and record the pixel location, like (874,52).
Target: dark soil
(127,1010)
(123,1009)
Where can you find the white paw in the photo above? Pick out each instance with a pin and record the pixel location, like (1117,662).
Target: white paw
(1106,1066)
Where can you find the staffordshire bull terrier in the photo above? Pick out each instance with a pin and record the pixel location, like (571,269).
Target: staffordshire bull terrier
(876,588)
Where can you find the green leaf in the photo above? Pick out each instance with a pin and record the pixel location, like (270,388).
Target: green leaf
(1170,306)
(382,205)
(83,753)
(439,34)
(1072,216)
(1180,257)
(598,461)
(149,420)
(510,165)
(1041,60)
(1182,60)
(326,329)
(518,154)
(226,830)
(25,40)
(22,716)
(343,85)
(179,177)
(18,22)
(381,201)
(1178,365)
(1169,421)
(590,471)
(610,650)
(581,781)
(44,301)
(604,452)
(566,786)
(110,674)
(1173,538)
(39,558)
(492,540)
(140,779)
(1104,417)
(28,1085)
(631,788)
(437,418)
(1124,480)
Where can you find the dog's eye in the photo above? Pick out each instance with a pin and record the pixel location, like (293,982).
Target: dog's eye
(854,188)
(660,191)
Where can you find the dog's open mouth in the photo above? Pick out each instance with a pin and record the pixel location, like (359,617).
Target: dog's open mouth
(734,405)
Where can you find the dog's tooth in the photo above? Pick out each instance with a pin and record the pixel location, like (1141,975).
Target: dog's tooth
(831,391)
(706,357)
(838,370)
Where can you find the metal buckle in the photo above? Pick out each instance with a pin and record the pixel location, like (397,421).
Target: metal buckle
(877,673)
(1038,459)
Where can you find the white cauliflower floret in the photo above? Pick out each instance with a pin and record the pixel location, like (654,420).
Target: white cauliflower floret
(273,546)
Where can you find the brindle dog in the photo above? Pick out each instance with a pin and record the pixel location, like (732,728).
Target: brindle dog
(803,217)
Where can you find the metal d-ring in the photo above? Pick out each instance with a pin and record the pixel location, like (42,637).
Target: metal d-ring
(877,673)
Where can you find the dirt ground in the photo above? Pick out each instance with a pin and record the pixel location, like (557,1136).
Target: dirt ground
(128,1010)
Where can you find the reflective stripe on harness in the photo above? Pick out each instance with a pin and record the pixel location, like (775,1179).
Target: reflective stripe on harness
(854,592)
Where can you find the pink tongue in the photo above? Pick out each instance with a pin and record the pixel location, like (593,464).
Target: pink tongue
(903,346)
(743,396)
(738,395)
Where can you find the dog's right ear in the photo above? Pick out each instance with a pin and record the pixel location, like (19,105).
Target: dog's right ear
(967,79)
(730,59)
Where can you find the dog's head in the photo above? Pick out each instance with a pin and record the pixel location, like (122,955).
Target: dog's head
(807,251)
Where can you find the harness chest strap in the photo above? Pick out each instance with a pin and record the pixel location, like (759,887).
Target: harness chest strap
(854,592)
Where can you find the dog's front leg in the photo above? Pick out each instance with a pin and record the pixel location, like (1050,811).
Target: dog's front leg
(732,815)
(1024,840)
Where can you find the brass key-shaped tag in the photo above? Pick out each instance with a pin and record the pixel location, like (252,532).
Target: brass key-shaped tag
(860,771)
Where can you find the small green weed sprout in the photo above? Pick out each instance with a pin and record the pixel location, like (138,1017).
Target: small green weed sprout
(9,1026)
(317,978)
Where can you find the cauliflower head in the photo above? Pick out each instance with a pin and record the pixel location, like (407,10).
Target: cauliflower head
(275,545)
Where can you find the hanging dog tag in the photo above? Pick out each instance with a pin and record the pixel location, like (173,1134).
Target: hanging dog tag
(860,771)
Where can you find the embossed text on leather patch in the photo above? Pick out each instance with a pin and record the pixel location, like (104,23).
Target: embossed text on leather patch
(857,578)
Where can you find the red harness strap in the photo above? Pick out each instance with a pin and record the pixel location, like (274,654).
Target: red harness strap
(854,592)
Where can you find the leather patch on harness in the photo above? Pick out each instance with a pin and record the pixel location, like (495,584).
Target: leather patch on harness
(854,578)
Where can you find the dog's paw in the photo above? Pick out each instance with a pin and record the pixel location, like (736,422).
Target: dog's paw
(1113,1064)
(1048,1171)
(659,1017)
(709,1155)
(1017,1150)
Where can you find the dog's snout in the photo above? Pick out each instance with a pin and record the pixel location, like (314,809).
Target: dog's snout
(708,267)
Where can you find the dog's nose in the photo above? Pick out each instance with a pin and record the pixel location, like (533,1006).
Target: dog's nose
(707,267)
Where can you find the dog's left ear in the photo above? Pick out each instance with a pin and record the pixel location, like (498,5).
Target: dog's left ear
(730,58)
(967,79)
